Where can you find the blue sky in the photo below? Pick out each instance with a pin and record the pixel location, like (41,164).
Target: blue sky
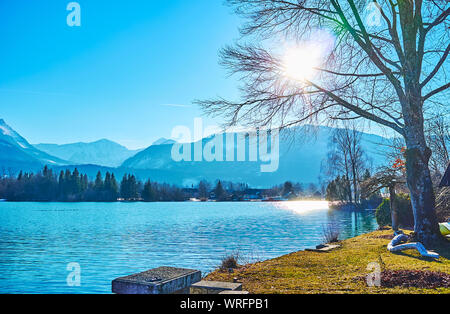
(129,73)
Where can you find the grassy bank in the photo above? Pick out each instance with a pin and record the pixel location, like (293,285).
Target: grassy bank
(339,271)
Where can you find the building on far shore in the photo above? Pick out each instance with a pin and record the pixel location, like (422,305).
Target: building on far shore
(443,198)
(446,179)
(254,194)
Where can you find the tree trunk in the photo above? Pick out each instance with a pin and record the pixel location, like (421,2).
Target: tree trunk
(348,187)
(394,207)
(355,184)
(418,154)
(418,174)
(419,183)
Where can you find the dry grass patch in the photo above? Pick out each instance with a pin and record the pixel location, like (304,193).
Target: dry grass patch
(336,271)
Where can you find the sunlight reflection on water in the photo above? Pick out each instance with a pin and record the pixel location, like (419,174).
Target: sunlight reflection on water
(303,207)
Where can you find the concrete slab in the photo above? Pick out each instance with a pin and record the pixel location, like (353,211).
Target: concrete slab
(214,287)
(234,292)
(324,248)
(162,280)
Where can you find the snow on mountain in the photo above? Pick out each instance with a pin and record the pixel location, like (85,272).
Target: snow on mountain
(163,141)
(103,152)
(16,153)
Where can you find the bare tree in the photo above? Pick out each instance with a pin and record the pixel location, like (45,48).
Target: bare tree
(389,74)
(347,158)
(438,137)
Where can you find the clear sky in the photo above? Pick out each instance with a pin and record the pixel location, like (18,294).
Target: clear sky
(129,73)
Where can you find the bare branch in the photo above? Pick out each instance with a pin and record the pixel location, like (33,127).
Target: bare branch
(436,91)
(437,67)
(360,111)
(441,18)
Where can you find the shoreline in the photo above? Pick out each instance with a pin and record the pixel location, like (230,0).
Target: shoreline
(340,271)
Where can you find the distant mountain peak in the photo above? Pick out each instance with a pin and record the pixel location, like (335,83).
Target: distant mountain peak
(103,152)
(163,141)
(106,142)
(17,152)
(13,136)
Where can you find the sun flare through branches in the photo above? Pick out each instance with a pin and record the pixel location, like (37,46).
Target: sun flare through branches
(300,63)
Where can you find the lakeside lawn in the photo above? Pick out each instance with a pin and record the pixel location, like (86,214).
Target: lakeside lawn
(340,271)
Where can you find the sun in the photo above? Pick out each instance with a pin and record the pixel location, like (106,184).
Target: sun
(300,63)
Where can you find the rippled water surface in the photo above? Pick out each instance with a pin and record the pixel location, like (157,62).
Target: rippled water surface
(39,240)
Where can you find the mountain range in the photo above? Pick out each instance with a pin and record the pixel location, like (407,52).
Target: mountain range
(103,152)
(301,159)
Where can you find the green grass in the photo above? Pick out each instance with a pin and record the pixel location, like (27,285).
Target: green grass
(336,272)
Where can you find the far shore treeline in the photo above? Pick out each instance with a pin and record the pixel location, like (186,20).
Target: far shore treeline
(67,186)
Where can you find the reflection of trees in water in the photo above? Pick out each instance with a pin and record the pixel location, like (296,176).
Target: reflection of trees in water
(351,223)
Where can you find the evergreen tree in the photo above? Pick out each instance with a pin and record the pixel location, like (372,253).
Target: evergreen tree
(114,188)
(85,183)
(110,189)
(61,186)
(107,184)
(76,182)
(339,190)
(67,184)
(98,185)
(332,194)
(124,189)
(288,188)
(148,194)
(133,187)
(221,194)
(46,172)
(203,189)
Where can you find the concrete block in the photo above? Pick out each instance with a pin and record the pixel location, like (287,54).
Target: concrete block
(162,280)
(214,287)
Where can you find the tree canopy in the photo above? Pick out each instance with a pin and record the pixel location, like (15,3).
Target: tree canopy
(392,72)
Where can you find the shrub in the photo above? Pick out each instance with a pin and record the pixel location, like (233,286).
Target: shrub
(230,262)
(405,213)
(331,233)
(383,213)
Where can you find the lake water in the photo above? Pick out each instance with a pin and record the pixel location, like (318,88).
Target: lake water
(39,240)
